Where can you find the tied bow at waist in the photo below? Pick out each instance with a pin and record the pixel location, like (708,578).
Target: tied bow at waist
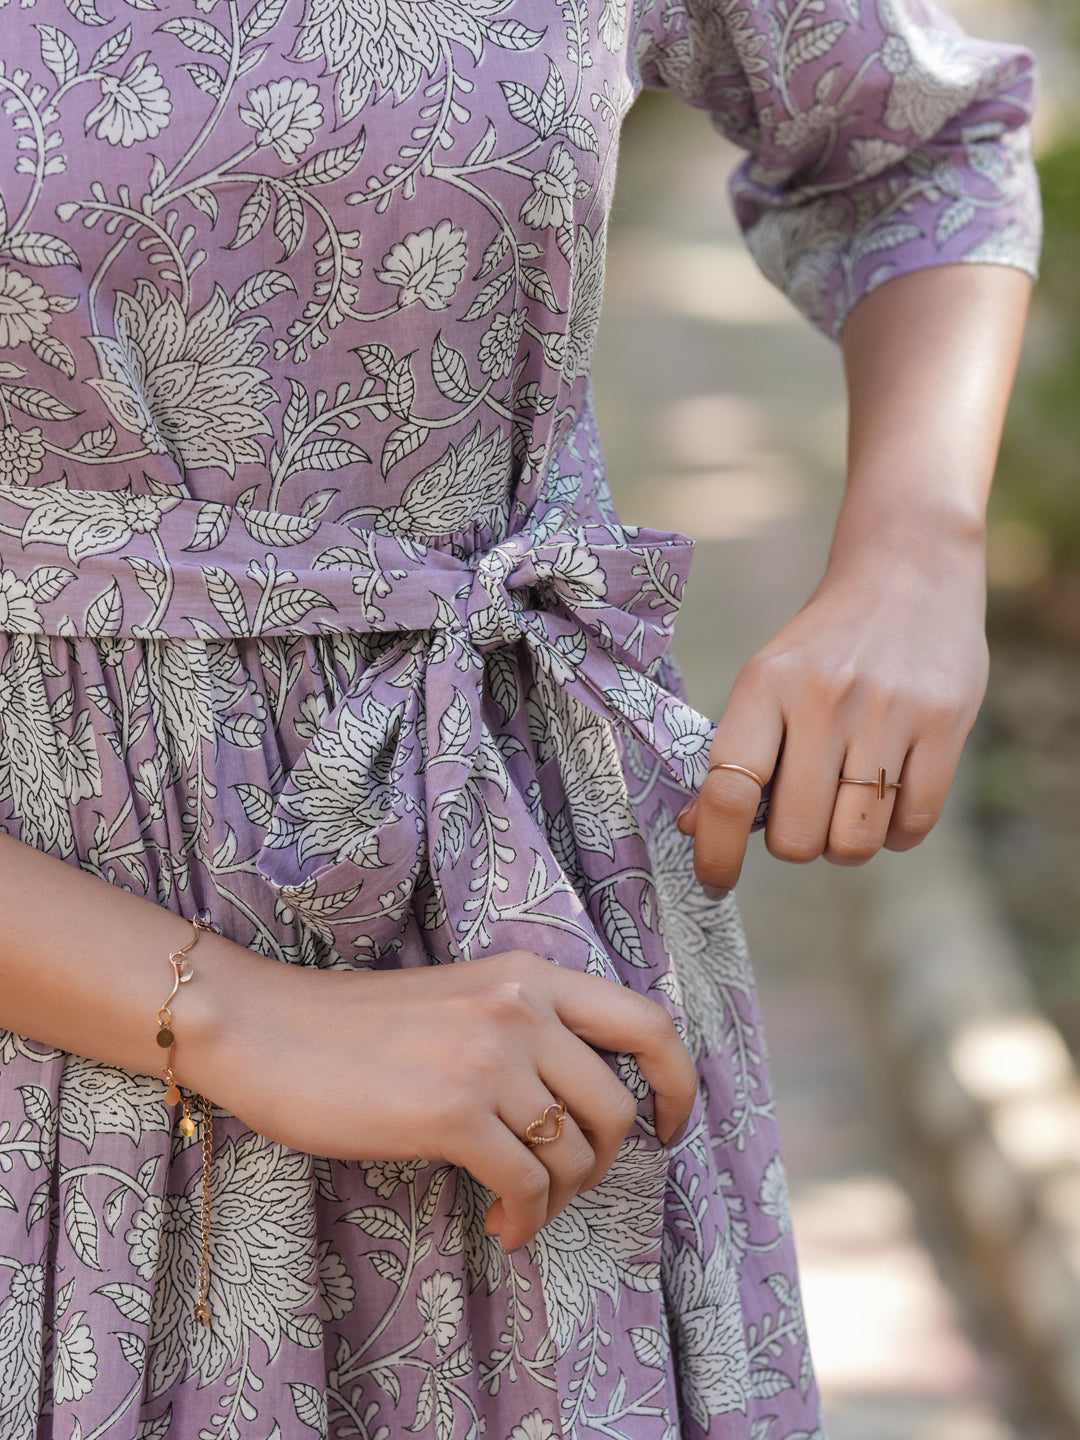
(416,747)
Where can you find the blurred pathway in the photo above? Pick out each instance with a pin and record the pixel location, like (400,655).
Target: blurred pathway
(722,415)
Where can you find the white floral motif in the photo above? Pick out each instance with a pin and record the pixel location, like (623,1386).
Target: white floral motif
(499,345)
(705,939)
(441,1307)
(88,522)
(343,790)
(604,1238)
(79,763)
(426,266)
(18,613)
(134,107)
(586,298)
(533,1427)
(386,47)
(190,386)
(337,1292)
(935,74)
(551,205)
(871,154)
(20,1350)
(24,308)
(259,1285)
(76,1365)
(21,453)
(286,114)
(143,1238)
(707,1333)
(384,1176)
(613,24)
(773,1197)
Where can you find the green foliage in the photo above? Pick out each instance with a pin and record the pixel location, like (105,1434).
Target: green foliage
(1039,474)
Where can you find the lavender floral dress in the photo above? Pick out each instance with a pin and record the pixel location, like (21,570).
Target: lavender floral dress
(314,611)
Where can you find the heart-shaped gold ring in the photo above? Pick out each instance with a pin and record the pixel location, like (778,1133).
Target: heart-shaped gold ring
(557,1113)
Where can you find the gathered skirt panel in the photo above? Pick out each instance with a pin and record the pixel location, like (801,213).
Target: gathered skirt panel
(364,1299)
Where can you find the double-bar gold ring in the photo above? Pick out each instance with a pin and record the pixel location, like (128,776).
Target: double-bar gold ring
(880,784)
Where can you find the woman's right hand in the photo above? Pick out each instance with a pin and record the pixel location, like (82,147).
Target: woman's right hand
(451,1063)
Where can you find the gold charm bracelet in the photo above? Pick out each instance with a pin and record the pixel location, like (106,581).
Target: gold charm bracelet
(182,973)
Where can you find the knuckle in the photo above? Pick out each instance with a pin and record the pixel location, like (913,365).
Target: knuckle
(579,1162)
(623,1111)
(853,847)
(503,1004)
(796,846)
(912,825)
(520,965)
(452,1102)
(658,1028)
(834,688)
(532,1186)
(726,793)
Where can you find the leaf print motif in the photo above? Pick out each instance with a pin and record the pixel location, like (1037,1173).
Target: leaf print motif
(621,930)
(106,615)
(59,53)
(38,403)
(254,214)
(310,1406)
(80,1223)
(132,1301)
(812,43)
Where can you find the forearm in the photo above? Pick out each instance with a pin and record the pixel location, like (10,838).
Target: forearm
(930,359)
(84,967)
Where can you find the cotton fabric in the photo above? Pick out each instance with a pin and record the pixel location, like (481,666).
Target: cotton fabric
(315,611)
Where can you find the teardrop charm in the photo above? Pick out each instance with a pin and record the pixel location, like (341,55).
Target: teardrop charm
(172,1095)
(165,1037)
(187,1126)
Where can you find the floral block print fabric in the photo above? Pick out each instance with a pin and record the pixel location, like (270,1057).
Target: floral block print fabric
(315,611)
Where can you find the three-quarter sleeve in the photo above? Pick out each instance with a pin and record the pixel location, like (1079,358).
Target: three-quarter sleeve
(882,138)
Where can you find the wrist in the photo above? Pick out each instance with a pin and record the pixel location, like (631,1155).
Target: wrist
(221,1015)
(928,535)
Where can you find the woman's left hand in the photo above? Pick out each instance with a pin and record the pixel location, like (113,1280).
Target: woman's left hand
(885,667)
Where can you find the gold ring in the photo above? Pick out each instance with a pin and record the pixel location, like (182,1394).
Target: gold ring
(880,784)
(557,1112)
(740,769)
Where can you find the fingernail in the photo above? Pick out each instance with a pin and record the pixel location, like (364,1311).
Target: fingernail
(715,892)
(683,815)
(673,1140)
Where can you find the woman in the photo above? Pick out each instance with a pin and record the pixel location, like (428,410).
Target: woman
(317,625)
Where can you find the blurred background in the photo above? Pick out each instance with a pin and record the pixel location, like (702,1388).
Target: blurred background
(723,416)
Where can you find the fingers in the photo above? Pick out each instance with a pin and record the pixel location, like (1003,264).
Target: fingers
(861,813)
(927,778)
(602,1107)
(804,793)
(568,1160)
(502,1162)
(749,734)
(612,1017)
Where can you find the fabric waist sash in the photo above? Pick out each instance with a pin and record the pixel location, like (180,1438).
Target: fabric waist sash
(409,751)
